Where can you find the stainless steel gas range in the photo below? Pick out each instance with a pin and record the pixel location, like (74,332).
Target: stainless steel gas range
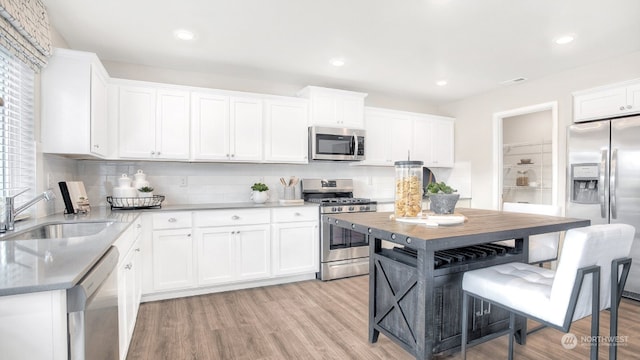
(343,252)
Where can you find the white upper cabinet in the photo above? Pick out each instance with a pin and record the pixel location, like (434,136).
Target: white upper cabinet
(397,135)
(613,100)
(74,105)
(153,123)
(226,128)
(334,108)
(285,130)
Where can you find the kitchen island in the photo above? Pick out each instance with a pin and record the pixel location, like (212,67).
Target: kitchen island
(415,298)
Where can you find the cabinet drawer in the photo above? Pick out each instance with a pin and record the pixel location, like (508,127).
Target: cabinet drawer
(307,213)
(232,217)
(171,220)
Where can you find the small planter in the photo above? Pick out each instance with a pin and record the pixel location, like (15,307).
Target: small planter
(259,197)
(443,203)
(145,194)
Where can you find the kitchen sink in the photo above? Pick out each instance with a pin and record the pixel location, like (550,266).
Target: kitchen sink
(59,230)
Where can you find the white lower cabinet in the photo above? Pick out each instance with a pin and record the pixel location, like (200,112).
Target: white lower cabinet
(172,259)
(232,245)
(129,269)
(34,326)
(232,253)
(294,236)
(229,249)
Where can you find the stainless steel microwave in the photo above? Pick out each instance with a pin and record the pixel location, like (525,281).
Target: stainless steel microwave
(342,144)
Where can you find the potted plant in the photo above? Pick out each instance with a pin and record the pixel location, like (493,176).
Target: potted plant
(145,191)
(259,195)
(442,197)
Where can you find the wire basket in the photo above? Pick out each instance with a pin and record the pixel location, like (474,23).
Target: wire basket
(131,203)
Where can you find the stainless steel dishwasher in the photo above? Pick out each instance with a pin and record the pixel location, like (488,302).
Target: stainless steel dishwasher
(92,310)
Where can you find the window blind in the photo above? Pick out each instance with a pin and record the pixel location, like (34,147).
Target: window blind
(17,143)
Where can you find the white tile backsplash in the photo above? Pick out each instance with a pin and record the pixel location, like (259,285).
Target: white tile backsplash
(224,183)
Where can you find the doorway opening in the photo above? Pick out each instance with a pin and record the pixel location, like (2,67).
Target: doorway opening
(526,155)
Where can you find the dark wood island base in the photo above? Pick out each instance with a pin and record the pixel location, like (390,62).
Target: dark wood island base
(415,294)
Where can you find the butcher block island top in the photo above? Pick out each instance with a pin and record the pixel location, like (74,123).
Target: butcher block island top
(415,298)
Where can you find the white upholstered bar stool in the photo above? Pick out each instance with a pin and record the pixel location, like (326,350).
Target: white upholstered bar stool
(591,274)
(543,247)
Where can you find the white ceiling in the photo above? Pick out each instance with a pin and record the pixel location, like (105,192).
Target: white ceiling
(399,48)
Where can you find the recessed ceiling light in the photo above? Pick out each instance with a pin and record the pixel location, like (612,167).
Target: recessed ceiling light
(184,34)
(337,62)
(441,83)
(564,39)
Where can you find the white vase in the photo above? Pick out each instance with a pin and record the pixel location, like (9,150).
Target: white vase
(259,197)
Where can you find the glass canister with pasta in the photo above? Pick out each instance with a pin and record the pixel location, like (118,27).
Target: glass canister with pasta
(408,200)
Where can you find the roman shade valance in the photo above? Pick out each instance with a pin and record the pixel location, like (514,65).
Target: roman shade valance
(24,31)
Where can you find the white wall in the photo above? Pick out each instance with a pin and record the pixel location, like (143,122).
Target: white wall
(474,116)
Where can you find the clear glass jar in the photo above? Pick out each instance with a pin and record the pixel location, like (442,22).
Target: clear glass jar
(408,200)
(523,178)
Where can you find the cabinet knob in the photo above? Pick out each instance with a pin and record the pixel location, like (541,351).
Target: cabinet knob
(96,146)
(138,226)
(235,217)
(137,250)
(233,155)
(172,220)
(227,155)
(153,153)
(621,107)
(128,266)
(188,235)
(158,153)
(629,106)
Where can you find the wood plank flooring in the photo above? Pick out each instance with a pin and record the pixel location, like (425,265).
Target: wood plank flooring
(320,320)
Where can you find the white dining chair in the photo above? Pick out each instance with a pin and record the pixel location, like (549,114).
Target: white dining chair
(544,247)
(591,274)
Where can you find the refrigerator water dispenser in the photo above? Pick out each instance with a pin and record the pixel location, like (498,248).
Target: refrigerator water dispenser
(584,183)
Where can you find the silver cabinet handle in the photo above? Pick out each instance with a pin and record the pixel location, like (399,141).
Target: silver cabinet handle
(614,183)
(235,217)
(172,220)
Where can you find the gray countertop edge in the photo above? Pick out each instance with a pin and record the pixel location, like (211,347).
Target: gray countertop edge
(99,243)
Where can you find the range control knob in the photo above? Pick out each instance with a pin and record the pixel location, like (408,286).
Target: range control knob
(364,208)
(352,208)
(340,208)
(334,209)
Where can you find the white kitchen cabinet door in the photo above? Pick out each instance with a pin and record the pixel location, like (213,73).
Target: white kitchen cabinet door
(74,102)
(246,128)
(599,104)
(633,98)
(351,112)
(401,138)
(129,290)
(136,122)
(254,252)
(442,143)
(216,255)
(377,146)
(172,125)
(334,108)
(295,248)
(210,126)
(422,140)
(286,134)
(34,326)
(172,256)
(99,111)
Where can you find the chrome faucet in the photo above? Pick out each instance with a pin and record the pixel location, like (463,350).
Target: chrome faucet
(12,212)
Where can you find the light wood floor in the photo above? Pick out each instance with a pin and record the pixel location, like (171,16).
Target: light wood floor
(320,320)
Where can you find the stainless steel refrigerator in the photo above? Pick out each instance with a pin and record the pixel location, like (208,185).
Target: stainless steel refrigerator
(604,179)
